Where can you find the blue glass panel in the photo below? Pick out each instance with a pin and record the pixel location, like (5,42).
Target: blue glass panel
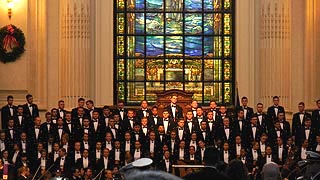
(208,46)
(208,5)
(208,24)
(154,45)
(139,46)
(174,45)
(193,5)
(154,4)
(139,25)
(154,23)
(173,23)
(193,23)
(193,45)
(139,4)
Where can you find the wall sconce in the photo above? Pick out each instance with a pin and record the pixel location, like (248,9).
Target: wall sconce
(10,7)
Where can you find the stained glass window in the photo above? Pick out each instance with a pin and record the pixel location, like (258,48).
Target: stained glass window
(174,44)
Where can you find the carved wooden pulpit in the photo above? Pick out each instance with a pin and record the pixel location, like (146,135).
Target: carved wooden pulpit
(184,99)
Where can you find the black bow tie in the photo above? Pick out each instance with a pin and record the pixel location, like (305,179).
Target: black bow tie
(226,127)
(173,106)
(254,126)
(180,128)
(307,128)
(78,152)
(166,119)
(121,110)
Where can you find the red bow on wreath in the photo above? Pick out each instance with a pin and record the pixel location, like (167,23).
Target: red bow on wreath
(10,42)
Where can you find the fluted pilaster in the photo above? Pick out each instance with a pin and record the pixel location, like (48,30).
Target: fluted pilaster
(75,51)
(275,51)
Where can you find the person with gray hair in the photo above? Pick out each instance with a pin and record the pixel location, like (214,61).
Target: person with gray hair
(270,171)
(151,175)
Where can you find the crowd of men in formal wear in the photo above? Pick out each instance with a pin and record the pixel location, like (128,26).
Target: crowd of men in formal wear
(89,140)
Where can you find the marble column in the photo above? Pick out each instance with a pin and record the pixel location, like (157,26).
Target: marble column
(75,63)
(275,51)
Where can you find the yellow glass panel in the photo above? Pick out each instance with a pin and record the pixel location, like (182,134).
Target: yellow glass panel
(227,46)
(217,47)
(212,70)
(227,92)
(212,91)
(120,23)
(227,70)
(227,4)
(121,4)
(136,91)
(120,91)
(217,4)
(154,70)
(121,69)
(217,24)
(227,24)
(120,43)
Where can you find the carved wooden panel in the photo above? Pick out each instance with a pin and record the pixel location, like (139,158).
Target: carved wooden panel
(184,99)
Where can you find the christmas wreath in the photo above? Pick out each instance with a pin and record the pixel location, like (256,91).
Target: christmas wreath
(12,43)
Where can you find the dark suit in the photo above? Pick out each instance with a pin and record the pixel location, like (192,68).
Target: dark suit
(125,112)
(178,112)
(162,165)
(297,123)
(154,121)
(171,125)
(221,135)
(6,113)
(21,127)
(65,169)
(140,113)
(126,124)
(80,163)
(316,118)
(301,135)
(248,112)
(33,114)
(272,113)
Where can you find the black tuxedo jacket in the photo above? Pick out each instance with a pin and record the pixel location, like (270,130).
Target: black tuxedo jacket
(249,134)
(272,114)
(278,160)
(162,166)
(100,164)
(301,136)
(126,125)
(27,113)
(49,162)
(21,127)
(125,112)
(140,115)
(178,113)
(122,156)
(273,136)
(221,135)
(170,127)
(5,114)
(316,118)
(152,123)
(115,136)
(265,123)
(250,112)
(74,112)
(79,163)
(194,126)
(185,135)
(63,113)
(236,127)
(65,169)
(296,122)
(163,140)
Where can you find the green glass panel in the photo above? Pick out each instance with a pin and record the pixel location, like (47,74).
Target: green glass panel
(212,70)
(154,23)
(193,23)
(135,69)
(173,26)
(227,70)
(121,91)
(174,45)
(120,23)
